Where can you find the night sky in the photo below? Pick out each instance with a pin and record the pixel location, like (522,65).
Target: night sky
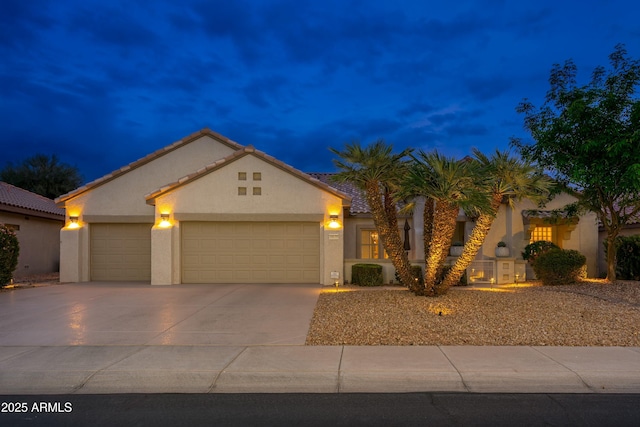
(102,83)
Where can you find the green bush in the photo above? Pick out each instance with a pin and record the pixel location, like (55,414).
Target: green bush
(416,272)
(535,249)
(628,257)
(9,250)
(560,267)
(366,274)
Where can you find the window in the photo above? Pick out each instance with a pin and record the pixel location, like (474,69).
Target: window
(242,191)
(242,176)
(542,233)
(371,246)
(257,191)
(257,176)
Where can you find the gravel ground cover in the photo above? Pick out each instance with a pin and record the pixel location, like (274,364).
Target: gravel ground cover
(594,313)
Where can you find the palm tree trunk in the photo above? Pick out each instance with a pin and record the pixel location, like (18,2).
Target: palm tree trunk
(473,244)
(427,216)
(444,226)
(387,225)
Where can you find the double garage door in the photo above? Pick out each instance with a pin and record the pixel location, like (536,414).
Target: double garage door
(250,252)
(213,252)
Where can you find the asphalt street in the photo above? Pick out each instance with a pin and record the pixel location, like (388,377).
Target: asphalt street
(380,409)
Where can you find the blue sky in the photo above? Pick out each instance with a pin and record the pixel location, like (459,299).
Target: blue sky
(103,83)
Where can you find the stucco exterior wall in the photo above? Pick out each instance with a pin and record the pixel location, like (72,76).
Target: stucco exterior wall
(125,194)
(509,227)
(123,199)
(39,240)
(283,197)
(354,225)
(281,193)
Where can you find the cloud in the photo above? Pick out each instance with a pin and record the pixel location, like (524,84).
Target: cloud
(23,22)
(114,25)
(260,92)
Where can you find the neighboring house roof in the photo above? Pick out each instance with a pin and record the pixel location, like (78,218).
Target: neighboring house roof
(18,200)
(161,152)
(244,151)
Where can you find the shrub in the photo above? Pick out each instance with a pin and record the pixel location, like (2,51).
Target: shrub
(9,250)
(416,272)
(366,274)
(533,250)
(560,267)
(502,245)
(628,257)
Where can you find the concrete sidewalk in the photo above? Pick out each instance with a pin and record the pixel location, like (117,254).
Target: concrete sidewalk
(317,369)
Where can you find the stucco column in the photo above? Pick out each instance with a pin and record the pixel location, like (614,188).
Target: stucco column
(161,255)
(73,255)
(333,250)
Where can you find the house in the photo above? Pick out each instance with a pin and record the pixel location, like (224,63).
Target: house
(36,220)
(517,227)
(206,209)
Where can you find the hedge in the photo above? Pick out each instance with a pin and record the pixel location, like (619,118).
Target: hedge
(628,257)
(366,274)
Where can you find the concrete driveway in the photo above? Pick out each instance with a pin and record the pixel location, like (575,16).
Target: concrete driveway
(86,314)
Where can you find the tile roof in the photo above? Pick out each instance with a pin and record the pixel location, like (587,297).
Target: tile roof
(13,196)
(237,155)
(359,203)
(148,158)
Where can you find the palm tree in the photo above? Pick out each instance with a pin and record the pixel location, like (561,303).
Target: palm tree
(507,178)
(448,185)
(376,171)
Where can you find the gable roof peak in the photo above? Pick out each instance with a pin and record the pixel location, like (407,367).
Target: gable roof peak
(245,151)
(148,158)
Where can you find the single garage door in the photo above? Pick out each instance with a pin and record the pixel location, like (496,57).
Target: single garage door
(250,252)
(120,252)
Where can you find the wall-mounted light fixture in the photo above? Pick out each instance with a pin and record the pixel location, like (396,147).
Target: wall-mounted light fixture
(164,220)
(73,221)
(334,223)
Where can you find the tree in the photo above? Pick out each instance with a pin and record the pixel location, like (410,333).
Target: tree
(448,185)
(9,251)
(505,178)
(588,138)
(42,175)
(376,171)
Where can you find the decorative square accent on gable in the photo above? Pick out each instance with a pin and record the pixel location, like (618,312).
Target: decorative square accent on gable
(242,176)
(242,191)
(257,176)
(257,191)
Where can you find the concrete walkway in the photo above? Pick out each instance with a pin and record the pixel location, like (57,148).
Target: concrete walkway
(298,368)
(105,338)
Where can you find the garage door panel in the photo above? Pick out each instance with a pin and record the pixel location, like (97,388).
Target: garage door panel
(259,252)
(120,252)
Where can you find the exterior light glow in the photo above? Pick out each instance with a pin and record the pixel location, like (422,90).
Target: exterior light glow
(73,222)
(334,223)
(164,220)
